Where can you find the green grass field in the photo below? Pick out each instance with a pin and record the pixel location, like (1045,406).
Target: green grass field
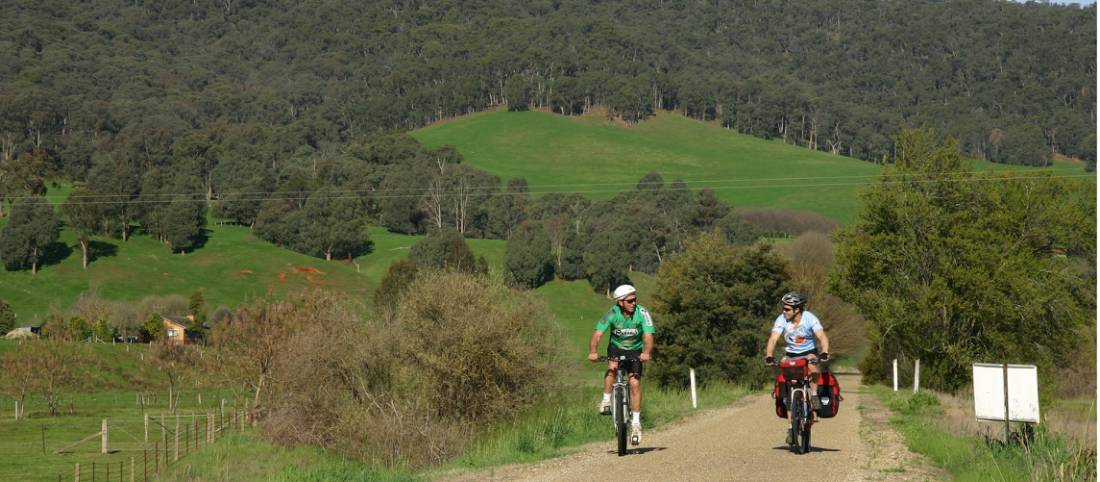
(114,379)
(596,158)
(232,267)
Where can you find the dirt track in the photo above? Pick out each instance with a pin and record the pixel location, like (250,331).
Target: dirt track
(741,442)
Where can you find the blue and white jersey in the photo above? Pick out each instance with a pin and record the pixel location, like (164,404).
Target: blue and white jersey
(799,338)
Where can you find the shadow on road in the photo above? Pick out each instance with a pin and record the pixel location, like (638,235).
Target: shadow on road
(812,449)
(640,451)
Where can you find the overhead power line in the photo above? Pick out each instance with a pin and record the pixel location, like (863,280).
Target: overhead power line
(580,188)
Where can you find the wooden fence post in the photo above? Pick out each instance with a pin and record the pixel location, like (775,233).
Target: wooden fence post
(77,474)
(133,469)
(176,446)
(146,417)
(103,448)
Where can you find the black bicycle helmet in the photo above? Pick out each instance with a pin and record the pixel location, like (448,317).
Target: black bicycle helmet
(795,299)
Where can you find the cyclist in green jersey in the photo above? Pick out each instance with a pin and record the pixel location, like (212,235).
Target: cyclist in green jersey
(631,335)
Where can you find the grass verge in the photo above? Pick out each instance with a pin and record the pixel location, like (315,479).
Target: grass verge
(1047,456)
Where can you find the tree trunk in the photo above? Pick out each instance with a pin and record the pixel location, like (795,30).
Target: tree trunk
(34,261)
(84,249)
(256,397)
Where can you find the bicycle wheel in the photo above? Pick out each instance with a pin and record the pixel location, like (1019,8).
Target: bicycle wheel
(797,413)
(807,422)
(621,419)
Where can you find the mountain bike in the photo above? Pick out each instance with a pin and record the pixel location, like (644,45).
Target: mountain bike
(620,400)
(800,403)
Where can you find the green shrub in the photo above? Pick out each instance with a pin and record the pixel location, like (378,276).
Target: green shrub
(528,262)
(919,402)
(7,317)
(714,306)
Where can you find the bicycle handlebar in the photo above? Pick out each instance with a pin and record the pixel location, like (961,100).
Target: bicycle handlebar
(620,358)
(811,361)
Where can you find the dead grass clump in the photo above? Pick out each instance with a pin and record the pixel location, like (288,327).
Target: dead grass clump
(404,431)
(786,222)
(1073,420)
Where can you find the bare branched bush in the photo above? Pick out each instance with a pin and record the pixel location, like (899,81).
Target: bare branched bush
(90,306)
(811,258)
(403,431)
(481,351)
(786,222)
(47,368)
(175,362)
(411,389)
(168,305)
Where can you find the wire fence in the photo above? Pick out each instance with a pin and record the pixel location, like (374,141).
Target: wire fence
(140,449)
(108,435)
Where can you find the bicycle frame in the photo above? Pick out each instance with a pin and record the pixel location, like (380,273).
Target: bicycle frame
(620,402)
(800,412)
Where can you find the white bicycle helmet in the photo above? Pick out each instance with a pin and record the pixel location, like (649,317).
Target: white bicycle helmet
(622,291)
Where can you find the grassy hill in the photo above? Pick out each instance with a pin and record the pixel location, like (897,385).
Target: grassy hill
(598,158)
(233,266)
(554,153)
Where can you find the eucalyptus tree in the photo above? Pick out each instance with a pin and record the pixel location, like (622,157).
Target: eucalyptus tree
(31,228)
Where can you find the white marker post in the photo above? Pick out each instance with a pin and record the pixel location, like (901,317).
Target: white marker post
(895,374)
(694,403)
(916,377)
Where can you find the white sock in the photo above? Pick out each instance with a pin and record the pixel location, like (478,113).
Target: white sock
(607,397)
(637,417)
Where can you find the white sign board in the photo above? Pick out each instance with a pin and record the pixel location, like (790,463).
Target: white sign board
(989,392)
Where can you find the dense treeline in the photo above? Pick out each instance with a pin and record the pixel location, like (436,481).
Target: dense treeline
(272,82)
(283,114)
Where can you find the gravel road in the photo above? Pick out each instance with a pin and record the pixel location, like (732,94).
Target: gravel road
(744,441)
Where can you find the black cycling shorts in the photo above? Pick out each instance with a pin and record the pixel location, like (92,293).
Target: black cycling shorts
(635,367)
(802,353)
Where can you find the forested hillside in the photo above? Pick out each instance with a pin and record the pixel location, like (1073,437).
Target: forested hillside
(275,81)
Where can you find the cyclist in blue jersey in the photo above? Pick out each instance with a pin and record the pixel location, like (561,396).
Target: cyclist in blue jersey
(799,329)
(631,335)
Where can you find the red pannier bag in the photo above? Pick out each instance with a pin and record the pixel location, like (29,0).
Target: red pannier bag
(828,396)
(780,396)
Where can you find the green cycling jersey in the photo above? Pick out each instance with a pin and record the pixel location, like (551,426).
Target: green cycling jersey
(626,333)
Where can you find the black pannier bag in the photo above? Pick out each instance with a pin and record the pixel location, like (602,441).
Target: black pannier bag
(828,396)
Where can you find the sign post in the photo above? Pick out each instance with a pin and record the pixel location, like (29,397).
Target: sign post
(1008,393)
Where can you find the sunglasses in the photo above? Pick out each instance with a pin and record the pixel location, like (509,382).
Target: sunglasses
(631,300)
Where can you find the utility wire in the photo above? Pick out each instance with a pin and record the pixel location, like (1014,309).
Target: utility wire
(730,184)
(542,188)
